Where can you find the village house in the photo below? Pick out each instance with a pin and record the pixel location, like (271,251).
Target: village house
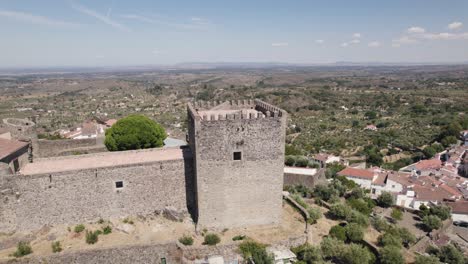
(13,154)
(459,211)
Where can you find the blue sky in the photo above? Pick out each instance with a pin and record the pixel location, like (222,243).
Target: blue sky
(146,32)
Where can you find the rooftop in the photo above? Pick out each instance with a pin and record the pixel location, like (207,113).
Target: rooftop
(301,171)
(103,160)
(357,173)
(460,207)
(8,147)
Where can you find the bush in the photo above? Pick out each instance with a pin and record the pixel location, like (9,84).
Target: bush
(385,200)
(106,230)
(360,205)
(323,192)
(211,239)
(22,249)
(332,247)
(354,232)
(397,214)
(450,254)
(380,224)
(420,259)
(389,239)
(357,254)
(302,161)
(256,251)
(338,232)
(358,218)
(134,132)
(186,240)
(314,215)
(391,255)
(308,253)
(289,161)
(79,228)
(56,247)
(340,211)
(91,237)
(441,211)
(431,222)
(238,237)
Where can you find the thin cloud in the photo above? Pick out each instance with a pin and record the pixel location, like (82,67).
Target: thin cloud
(344,45)
(355,41)
(416,30)
(396,43)
(455,25)
(319,41)
(35,19)
(196,23)
(280,44)
(374,44)
(357,35)
(103,18)
(445,36)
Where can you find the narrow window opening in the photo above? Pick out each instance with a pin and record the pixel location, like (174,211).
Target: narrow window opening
(119,184)
(237,155)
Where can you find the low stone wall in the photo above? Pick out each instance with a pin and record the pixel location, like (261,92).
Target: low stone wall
(52,148)
(310,181)
(136,254)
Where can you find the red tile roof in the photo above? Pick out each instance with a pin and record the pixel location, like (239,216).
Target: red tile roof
(8,147)
(429,164)
(357,173)
(460,207)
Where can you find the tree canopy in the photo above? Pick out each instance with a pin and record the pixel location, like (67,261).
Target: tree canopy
(134,132)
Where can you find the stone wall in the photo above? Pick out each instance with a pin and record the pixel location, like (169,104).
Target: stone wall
(236,193)
(28,202)
(138,254)
(52,148)
(309,181)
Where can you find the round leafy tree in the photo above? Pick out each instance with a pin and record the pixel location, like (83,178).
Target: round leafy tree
(134,132)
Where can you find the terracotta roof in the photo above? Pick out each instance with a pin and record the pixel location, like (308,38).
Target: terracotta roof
(460,207)
(358,173)
(8,147)
(429,164)
(380,180)
(321,157)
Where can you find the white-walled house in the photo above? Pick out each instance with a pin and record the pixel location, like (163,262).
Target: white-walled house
(459,211)
(361,177)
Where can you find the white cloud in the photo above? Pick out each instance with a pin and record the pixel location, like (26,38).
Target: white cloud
(35,19)
(344,45)
(374,44)
(319,41)
(416,30)
(103,18)
(357,35)
(396,43)
(455,25)
(355,41)
(196,23)
(280,44)
(445,36)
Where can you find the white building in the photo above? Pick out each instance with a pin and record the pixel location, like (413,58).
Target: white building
(459,211)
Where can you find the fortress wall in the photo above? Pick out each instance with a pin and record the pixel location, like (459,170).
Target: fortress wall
(235,193)
(52,148)
(30,201)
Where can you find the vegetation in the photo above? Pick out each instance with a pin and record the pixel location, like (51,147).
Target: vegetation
(186,240)
(134,132)
(256,252)
(354,232)
(421,259)
(22,249)
(79,228)
(238,238)
(385,200)
(431,222)
(211,239)
(314,215)
(106,230)
(391,255)
(397,214)
(92,237)
(338,232)
(56,247)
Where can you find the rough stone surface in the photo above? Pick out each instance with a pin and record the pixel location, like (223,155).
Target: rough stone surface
(309,181)
(52,148)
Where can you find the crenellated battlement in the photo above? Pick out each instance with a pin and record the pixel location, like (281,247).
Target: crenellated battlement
(233,110)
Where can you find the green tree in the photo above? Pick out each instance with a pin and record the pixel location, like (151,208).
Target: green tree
(354,232)
(211,239)
(391,255)
(442,211)
(134,132)
(421,259)
(397,214)
(314,215)
(451,255)
(432,222)
(256,251)
(357,254)
(429,152)
(385,200)
(340,211)
(448,141)
(307,253)
(338,232)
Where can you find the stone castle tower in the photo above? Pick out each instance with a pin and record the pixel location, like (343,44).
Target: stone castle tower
(238,156)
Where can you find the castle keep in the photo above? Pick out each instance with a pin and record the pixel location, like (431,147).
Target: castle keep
(230,175)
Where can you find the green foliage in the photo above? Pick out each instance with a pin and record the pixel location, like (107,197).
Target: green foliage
(361,205)
(451,255)
(186,240)
(385,200)
(421,259)
(357,254)
(56,247)
(211,239)
(397,237)
(290,150)
(314,215)
(332,247)
(391,255)
(79,228)
(308,253)
(380,224)
(256,251)
(128,221)
(338,232)
(448,141)
(333,169)
(389,239)
(299,200)
(106,230)
(358,218)
(431,222)
(370,115)
(324,192)
(238,238)
(397,214)
(354,232)
(22,249)
(92,237)
(289,161)
(340,211)
(134,132)
(429,152)
(441,211)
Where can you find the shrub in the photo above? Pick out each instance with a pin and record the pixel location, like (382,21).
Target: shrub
(420,259)
(211,239)
(441,211)
(360,205)
(451,254)
(354,232)
(332,247)
(323,192)
(101,221)
(308,253)
(432,222)
(79,228)
(91,237)
(338,232)
(299,200)
(385,200)
(186,240)
(389,239)
(302,161)
(356,254)
(238,237)
(397,214)
(134,132)
(56,247)
(106,230)
(256,251)
(22,249)
(314,215)
(380,224)
(128,221)
(289,160)
(340,211)
(391,255)
(358,218)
